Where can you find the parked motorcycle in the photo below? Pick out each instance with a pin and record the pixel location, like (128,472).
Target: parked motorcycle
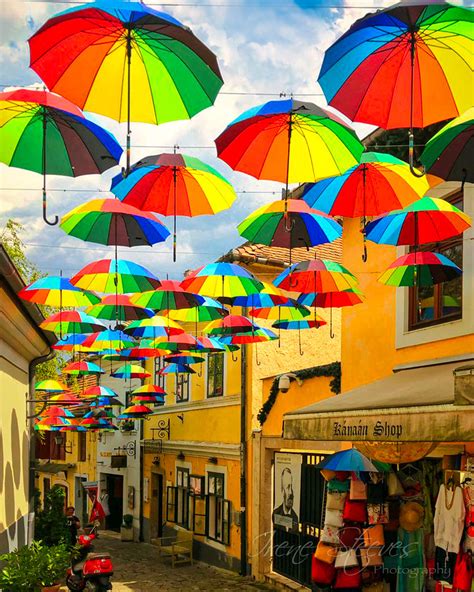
(89,571)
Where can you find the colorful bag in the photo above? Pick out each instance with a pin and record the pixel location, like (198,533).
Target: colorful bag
(337,485)
(346,558)
(395,488)
(378,513)
(348,578)
(355,511)
(358,490)
(463,572)
(376,492)
(371,557)
(335,500)
(322,572)
(350,536)
(374,536)
(330,534)
(325,553)
(333,517)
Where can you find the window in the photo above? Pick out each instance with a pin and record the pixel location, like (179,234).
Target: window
(441,303)
(182,497)
(46,447)
(183,387)
(218,510)
(82,446)
(160,379)
(215,375)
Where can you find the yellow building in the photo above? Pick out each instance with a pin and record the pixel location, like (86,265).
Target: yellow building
(23,345)
(197,450)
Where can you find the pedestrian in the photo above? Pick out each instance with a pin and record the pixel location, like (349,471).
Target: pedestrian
(73,523)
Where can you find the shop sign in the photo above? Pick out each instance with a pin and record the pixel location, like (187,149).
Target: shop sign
(287,481)
(378,430)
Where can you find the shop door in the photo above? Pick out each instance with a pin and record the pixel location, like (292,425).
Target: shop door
(157,496)
(292,550)
(115,500)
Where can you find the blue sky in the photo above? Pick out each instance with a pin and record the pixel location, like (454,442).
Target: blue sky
(262,47)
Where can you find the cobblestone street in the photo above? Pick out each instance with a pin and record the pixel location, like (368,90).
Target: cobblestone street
(138,568)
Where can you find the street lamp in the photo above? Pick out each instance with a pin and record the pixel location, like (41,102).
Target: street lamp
(60,440)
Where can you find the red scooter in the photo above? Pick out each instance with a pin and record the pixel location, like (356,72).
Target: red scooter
(90,571)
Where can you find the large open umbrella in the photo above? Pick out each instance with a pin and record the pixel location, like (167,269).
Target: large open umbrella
(57,291)
(95,54)
(420,268)
(108,340)
(43,132)
(174,185)
(130,371)
(449,153)
(119,276)
(316,275)
(118,307)
(209,310)
(72,321)
(348,460)
(169,296)
(156,326)
(82,368)
(229,325)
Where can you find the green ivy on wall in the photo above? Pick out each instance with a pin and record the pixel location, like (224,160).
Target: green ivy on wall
(333,369)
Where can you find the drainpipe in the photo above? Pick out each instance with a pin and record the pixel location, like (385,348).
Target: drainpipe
(32,451)
(243,460)
(142,458)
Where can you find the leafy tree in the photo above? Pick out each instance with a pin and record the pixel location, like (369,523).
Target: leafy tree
(50,521)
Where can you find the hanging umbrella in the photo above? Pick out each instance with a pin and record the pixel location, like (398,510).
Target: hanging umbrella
(146,348)
(148,400)
(169,296)
(45,133)
(212,345)
(51,386)
(296,312)
(448,154)
(177,369)
(174,185)
(181,342)
(56,411)
(299,325)
(289,141)
(64,399)
(148,389)
(316,275)
(222,281)
(130,371)
(120,276)
(229,325)
(72,343)
(402,67)
(420,269)
(186,359)
(135,412)
(156,326)
(427,220)
(259,335)
(348,460)
(82,368)
(108,340)
(112,48)
(57,291)
(269,296)
(72,321)
(118,306)
(111,222)
(289,223)
(98,391)
(209,310)
(46,423)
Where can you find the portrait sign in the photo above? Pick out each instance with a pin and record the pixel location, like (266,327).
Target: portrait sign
(286,492)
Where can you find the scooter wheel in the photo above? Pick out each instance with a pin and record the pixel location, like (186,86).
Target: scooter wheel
(75,584)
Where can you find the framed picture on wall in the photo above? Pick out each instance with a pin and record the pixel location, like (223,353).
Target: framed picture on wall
(287,487)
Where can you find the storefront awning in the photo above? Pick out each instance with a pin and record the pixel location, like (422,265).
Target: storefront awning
(415,405)
(53,468)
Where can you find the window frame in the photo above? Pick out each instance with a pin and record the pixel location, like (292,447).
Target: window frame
(457,197)
(159,379)
(210,356)
(218,511)
(182,497)
(183,381)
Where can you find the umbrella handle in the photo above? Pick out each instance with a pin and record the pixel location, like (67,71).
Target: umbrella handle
(364,254)
(299,342)
(291,226)
(200,370)
(234,358)
(45,218)
(257,361)
(411,153)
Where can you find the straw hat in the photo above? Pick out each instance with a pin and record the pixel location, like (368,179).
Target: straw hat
(411,516)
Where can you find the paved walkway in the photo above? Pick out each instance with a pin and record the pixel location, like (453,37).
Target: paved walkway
(137,568)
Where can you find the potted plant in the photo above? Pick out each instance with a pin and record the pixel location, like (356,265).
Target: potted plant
(126,530)
(54,562)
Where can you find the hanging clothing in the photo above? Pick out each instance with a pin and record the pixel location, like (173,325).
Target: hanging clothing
(444,566)
(449,519)
(410,572)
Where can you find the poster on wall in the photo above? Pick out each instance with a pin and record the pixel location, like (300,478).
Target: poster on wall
(286,494)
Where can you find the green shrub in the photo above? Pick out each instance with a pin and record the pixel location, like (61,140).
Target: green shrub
(50,522)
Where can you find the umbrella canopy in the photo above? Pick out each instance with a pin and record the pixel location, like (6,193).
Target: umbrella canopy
(300,324)
(174,185)
(156,326)
(45,133)
(119,276)
(424,221)
(269,296)
(296,312)
(259,335)
(46,423)
(118,307)
(348,460)
(57,291)
(222,280)
(403,66)
(63,399)
(289,141)
(177,369)
(111,222)
(420,269)
(212,345)
(148,389)
(379,184)
(209,310)
(108,340)
(82,368)
(148,400)
(146,348)
(289,223)
(130,371)
(106,402)
(181,342)
(135,412)
(169,296)
(50,386)
(229,325)
(98,391)
(72,321)
(331,299)
(186,359)
(71,343)
(316,275)
(448,154)
(55,411)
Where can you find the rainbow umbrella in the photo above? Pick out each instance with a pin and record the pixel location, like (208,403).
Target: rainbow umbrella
(174,185)
(448,154)
(209,310)
(111,222)
(289,141)
(56,411)
(45,133)
(421,268)
(316,275)
(50,386)
(108,340)
(120,307)
(97,423)
(348,460)
(71,343)
(146,348)
(98,391)
(156,326)
(404,66)
(211,345)
(177,369)
(130,371)
(289,223)
(63,399)
(269,296)
(72,321)
(427,220)
(297,312)
(46,423)
(148,400)
(95,54)
(119,276)
(186,359)
(57,291)
(135,412)
(300,324)
(259,335)
(169,296)
(229,325)
(82,368)
(148,389)
(181,342)
(222,280)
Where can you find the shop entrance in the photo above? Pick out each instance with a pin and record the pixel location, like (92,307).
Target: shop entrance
(80,497)
(157,497)
(115,501)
